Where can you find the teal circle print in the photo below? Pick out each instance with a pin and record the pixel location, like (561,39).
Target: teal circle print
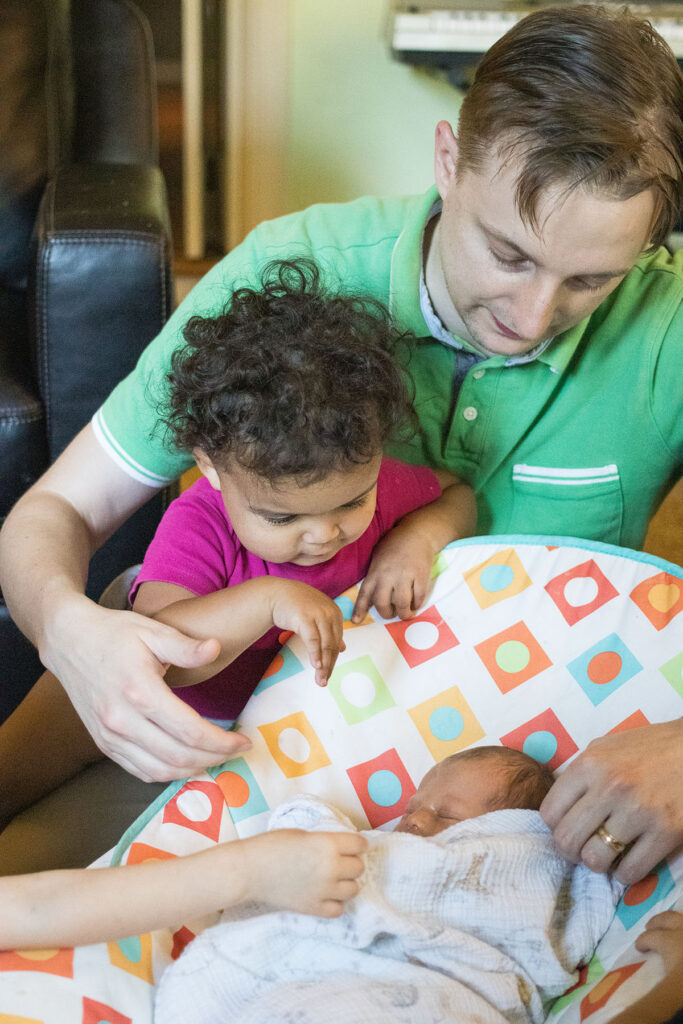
(384,788)
(131,948)
(541,745)
(345,605)
(446,723)
(496,577)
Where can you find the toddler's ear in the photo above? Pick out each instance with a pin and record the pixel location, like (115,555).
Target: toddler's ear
(207,468)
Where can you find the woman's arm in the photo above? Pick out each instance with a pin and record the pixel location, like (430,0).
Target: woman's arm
(311,873)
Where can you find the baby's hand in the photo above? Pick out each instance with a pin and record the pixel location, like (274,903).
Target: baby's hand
(317,620)
(664,935)
(397,581)
(308,872)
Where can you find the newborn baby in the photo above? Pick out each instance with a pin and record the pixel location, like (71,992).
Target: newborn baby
(466,914)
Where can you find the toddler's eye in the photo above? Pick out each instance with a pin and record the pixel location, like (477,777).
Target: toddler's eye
(279,520)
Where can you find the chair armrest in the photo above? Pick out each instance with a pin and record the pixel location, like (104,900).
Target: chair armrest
(100,291)
(101,288)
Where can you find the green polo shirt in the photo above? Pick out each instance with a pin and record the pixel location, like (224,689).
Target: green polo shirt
(583,441)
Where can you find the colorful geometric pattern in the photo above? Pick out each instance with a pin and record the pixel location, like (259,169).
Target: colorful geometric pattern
(544,738)
(644,895)
(283,665)
(294,745)
(359,690)
(513,656)
(446,723)
(383,787)
(240,789)
(499,577)
(580,591)
(423,637)
(604,667)
(198,806)
(660,598)
(605,989)
(673,672)
(134,955)
(526,659)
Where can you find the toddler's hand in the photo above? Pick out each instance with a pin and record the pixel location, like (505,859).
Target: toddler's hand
(308,872)
(664,935)
(397,581)
(316,619)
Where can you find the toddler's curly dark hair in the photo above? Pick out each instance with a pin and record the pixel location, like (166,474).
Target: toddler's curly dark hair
(290,380)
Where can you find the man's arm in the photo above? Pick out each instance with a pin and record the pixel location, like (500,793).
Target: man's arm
(111,663)
(631,783)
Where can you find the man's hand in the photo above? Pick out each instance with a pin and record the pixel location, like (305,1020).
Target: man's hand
(630,782)
(397,581)
(112,664)
(314,617)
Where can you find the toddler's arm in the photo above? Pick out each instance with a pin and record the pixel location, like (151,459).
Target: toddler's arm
(237,616)
(397,581)
(311,873)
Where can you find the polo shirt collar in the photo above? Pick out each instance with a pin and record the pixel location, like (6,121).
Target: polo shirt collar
(404,296)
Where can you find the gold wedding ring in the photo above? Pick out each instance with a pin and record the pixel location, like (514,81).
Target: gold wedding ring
(609,840)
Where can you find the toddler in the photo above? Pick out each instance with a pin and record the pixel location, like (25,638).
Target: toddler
(467,913)
(287,400)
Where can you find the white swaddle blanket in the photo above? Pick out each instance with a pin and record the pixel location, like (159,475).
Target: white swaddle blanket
(483,923)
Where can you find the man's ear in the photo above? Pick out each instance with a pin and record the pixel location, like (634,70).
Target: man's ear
(207,468)
(445,157)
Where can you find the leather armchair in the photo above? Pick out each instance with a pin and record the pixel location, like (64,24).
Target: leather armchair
(85,251)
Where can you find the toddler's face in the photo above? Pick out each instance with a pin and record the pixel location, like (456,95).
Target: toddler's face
(289,523)
(449,793)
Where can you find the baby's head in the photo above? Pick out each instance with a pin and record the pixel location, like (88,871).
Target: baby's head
(475,782)
(287,400)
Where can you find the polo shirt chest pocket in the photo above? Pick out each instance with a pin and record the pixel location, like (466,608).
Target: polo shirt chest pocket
(577,502)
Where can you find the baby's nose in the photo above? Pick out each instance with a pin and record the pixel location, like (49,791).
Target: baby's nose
(417,822)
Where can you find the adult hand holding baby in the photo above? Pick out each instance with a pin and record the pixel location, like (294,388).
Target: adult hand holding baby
(623,793)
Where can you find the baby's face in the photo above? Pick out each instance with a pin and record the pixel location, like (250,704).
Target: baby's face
(449,793)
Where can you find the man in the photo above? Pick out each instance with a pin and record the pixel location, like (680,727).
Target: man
(547,375)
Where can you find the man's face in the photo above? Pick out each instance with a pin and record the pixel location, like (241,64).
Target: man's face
(496,283)
(451,792)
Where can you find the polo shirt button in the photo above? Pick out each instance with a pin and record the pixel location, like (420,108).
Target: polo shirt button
(470,413)
(478,374)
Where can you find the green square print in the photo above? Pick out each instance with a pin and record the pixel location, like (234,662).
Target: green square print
(673,672)
(359,690)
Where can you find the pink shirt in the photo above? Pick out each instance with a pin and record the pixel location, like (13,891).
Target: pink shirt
(195,547)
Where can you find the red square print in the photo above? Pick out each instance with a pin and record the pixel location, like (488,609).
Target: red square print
(383,787)
(601,993)
(513,656)
(544,738)
(99,1013)
(423,637)
(198,806)
(660,598)
(580,591)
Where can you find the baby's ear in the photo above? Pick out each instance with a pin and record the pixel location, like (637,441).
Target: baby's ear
(207,468)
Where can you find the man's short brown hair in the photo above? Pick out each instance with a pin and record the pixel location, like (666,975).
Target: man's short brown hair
(583,96)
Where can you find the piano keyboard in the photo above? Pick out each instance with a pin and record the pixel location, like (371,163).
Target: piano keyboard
(457,26)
